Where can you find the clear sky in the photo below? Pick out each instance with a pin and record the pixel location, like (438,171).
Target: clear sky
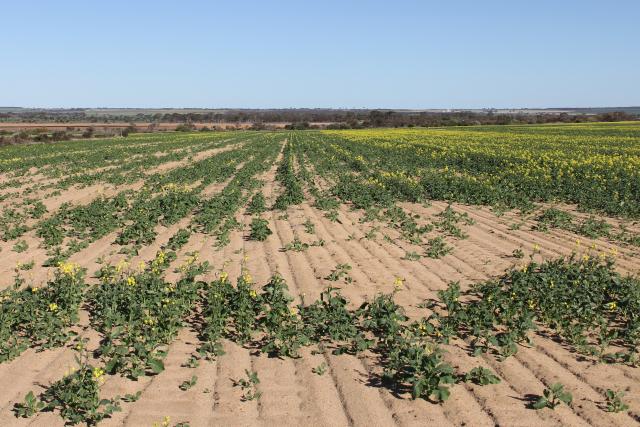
(344,54)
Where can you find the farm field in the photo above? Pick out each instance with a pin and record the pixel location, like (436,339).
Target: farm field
(483,275)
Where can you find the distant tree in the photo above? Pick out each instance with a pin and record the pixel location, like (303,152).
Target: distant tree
(257,126)
(59,135)
(298,126)
(88,133)
(185,127)
(614,116)
(128,130)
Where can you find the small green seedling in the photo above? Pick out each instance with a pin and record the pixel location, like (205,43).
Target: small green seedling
(320,369)
(186,385)
(552,397)
(29,407)
(249,386)
(481,376)
(615,402)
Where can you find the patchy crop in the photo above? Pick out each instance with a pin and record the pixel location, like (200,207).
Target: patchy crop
(583,300)
(374,266)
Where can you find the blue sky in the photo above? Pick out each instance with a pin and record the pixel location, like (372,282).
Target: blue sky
(344,54)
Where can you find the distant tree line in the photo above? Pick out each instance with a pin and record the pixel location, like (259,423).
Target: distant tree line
(376,118)
(305,118)
(296,119)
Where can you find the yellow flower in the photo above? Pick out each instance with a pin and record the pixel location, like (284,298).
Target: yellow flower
(612,305)
(293,311)
(165,422)
(398,283)
(97,373)
(68,268)
(122,264)
(247,278)
(53,307)
(223,276)
(131,281)
(169,187)
(253,293)
(536,248)
(35,289)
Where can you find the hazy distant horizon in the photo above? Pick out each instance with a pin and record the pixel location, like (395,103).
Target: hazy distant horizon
(597,107)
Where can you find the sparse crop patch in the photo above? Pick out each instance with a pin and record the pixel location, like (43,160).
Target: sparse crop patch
(76,396)
(418,189)
(298,245)
(437,248)
(20,246)
(340,272)
(249,386)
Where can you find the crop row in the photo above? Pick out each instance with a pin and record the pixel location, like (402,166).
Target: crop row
(138,314)
(165,199)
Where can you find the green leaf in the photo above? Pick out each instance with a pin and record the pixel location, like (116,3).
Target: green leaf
(417,390)
(541,403)
(156,365)
(566,398)
(109,367)
(442,394)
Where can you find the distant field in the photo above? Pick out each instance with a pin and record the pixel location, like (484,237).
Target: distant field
(444,276)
